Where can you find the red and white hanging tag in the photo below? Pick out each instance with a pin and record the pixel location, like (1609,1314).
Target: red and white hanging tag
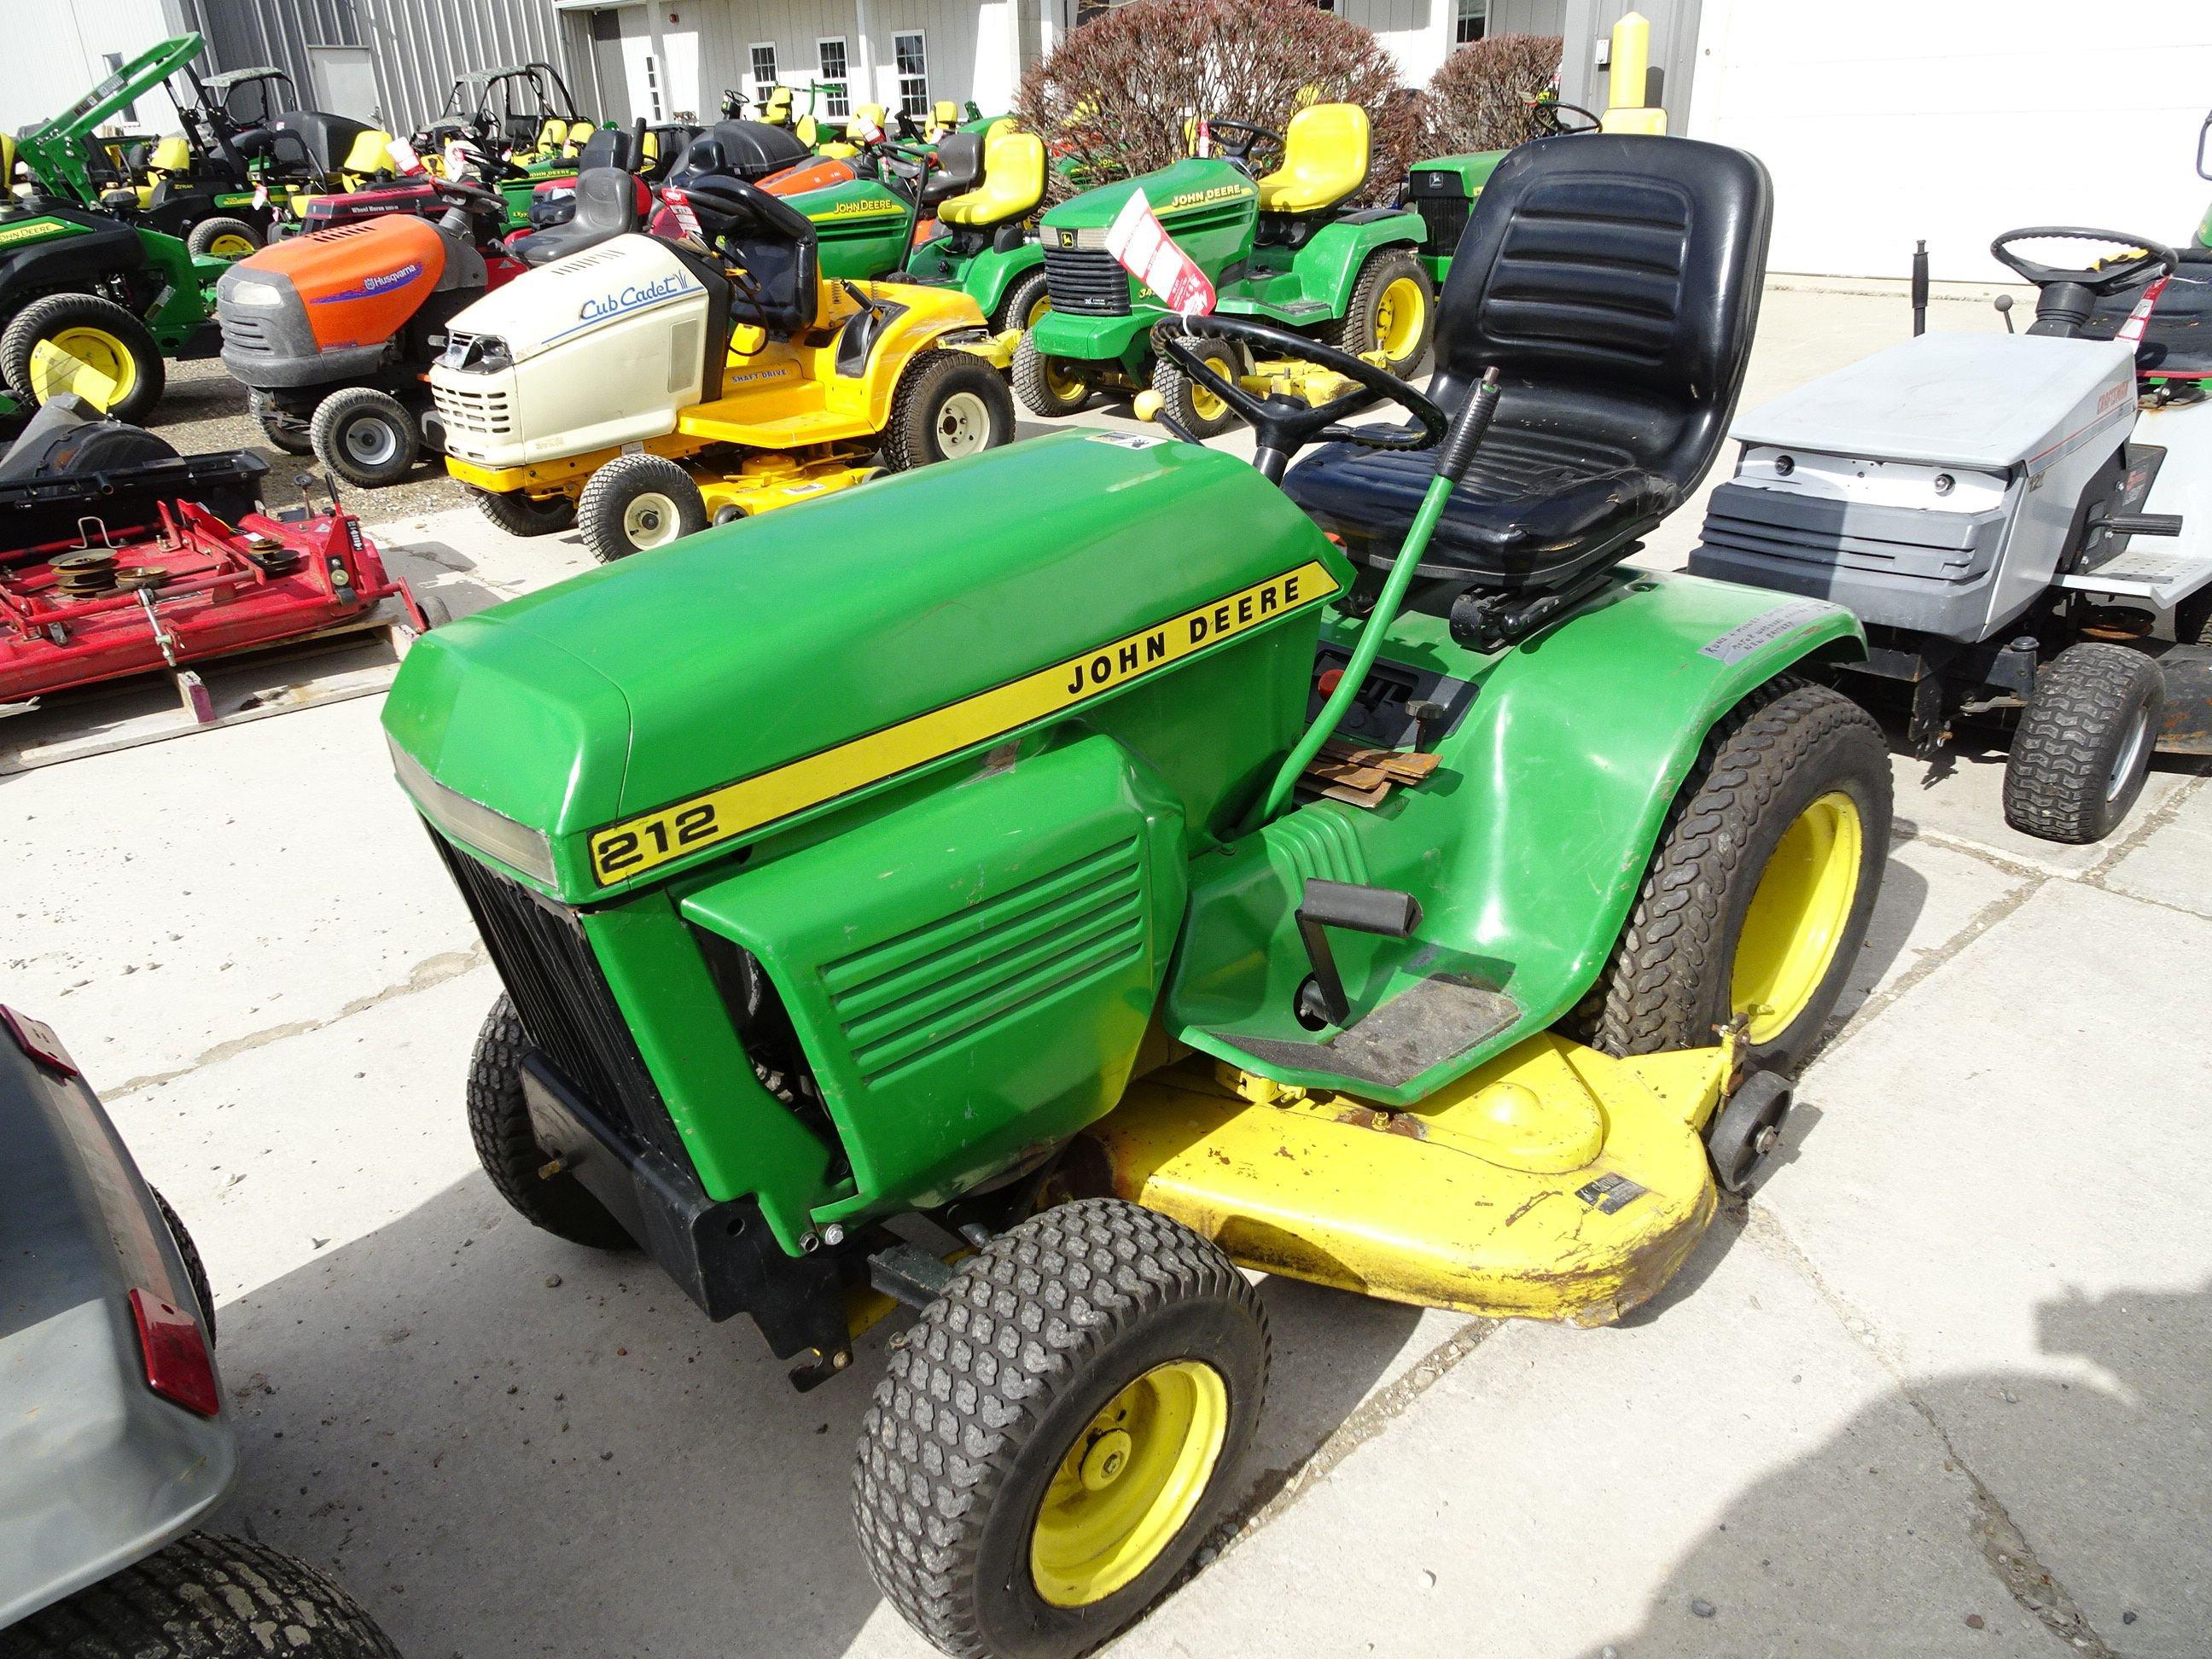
(1141,243)
(404,157)
(2138,320)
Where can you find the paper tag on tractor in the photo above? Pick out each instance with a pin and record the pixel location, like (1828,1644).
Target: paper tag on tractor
(2138,320)
(404,158)
(457,159)
(261,196)
(1141,243)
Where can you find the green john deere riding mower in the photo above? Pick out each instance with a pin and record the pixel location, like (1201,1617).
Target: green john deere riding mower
(984,192)
(1280,246)
(1146,885)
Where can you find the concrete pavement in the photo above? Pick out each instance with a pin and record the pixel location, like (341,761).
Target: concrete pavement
(1938,1386)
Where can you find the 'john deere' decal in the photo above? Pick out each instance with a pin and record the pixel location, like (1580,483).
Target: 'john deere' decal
(635,845)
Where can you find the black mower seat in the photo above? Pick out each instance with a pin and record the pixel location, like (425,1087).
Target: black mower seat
(1613,281)
(610,203)
(771,243)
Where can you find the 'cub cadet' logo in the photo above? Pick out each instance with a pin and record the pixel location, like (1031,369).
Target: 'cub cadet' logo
(1191,199)
(638,844)
(33,232)
(631,298)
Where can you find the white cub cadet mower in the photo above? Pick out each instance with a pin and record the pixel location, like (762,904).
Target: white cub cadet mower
(641,386)
(2010,515)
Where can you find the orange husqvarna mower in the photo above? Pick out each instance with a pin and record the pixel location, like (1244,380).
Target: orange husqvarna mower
(333,331)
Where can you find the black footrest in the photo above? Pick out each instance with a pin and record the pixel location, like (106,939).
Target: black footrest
(2140,524)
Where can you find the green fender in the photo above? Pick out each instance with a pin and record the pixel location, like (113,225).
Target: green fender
(2204,229)
(188,289)
(1528,846)
(991,273)
(1326,268)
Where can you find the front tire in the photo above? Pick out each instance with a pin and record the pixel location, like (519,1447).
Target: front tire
(97,332)
(205,1597)
(636,503)
(1050,386)
(949,404)
(520,514)
(1059,1431)
(2082,751)
(1027,298)
(365,436)
(1757,898)
(1190,405)
(223,238)
(507,1144)
(1393,310)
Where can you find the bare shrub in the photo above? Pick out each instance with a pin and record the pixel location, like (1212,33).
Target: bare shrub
(1479,96)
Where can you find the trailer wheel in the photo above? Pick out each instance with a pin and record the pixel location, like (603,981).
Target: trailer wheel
(2083,746)
(222,1597)
(638,502)
(1059,1431)
(520,514)
(223,238)
(1392,310)
(1757,897)
(948,404)
(365,436)
(195,1269)
(284,430)
(1026,298)
(507,1147)
(1050,386)
(98,333)
(1189,404)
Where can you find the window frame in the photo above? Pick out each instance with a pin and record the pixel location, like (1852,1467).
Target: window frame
(836,90)
(753,50)
(915,104)
(1462,16)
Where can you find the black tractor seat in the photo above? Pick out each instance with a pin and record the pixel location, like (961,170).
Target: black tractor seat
(610,203)
(1614,282)
(770,242)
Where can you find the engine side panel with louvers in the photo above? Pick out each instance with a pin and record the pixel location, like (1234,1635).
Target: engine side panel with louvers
(988,999)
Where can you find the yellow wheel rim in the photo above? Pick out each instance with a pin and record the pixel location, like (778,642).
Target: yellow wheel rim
(99,351)
(1206,404)
(1797,916)
(230,245)
(1043,305)
(1402,316)
(1064,383)
(1129,1483)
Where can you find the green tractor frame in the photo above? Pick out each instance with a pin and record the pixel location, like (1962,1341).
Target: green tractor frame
(1282,248)
(1352,871)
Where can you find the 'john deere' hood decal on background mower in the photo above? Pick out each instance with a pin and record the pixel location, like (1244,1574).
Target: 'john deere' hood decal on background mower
(636,845)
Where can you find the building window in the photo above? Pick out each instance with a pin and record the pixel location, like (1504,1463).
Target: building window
(653,85)
(836,96)
(913,74)
(763,68)
(1474,21)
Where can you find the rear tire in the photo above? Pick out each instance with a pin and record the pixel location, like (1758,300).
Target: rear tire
(2083,750)
(102,333)
(1094,1344)
(205,1597)
(949,404)
(365,436)
(1393,309)
(285,431)
(1198,412)
(1708,940)
(1051,386)
(1026,298)
(520,514)
(195,1269)
(223,238)
(507,1144)
(637,503)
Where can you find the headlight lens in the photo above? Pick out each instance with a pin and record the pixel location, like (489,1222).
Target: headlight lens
(254,294)
(515,844)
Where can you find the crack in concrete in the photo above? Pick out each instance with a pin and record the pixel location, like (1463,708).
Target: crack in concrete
(425,975)
(1999,1540)
(1976,925)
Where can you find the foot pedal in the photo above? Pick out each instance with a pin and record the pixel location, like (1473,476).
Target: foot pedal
(2140,524)
(1326,904)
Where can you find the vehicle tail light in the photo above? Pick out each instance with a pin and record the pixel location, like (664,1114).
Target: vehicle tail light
(177,1367)
(36,1038)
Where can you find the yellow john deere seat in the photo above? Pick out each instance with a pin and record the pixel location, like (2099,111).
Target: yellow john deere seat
(1012,187)
(1325,158)
(172,155)
(369,155)
(943,117)
(776,112)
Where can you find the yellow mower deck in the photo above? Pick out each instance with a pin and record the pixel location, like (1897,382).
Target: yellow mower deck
(1555,1182)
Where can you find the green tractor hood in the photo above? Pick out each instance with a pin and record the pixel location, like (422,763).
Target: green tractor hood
(1209,206)
(862,227)
(770,670)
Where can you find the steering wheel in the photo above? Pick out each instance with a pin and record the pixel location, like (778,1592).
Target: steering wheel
(1281,425)
(1241,154)
(466,192)
(1546,112)
(2142,260)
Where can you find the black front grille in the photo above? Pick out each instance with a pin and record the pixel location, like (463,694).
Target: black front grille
(1086,280)
(1443,219)
(542,955)
(242,333)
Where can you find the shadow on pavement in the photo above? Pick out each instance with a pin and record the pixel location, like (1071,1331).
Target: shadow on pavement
(496,1462)
(2097,1473)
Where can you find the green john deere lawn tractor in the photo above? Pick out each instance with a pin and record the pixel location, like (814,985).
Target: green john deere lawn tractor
(984,192)
(1146,885)
(1280,248)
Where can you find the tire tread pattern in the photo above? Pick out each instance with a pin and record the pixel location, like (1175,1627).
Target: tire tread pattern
(1032,388)
(507,1146)
(2064,746)
(909,438)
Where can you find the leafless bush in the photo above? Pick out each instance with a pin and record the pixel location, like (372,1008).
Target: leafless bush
(1479,97)
(1115,99)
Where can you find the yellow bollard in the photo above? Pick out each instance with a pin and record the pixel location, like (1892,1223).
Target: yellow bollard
(1625,110)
